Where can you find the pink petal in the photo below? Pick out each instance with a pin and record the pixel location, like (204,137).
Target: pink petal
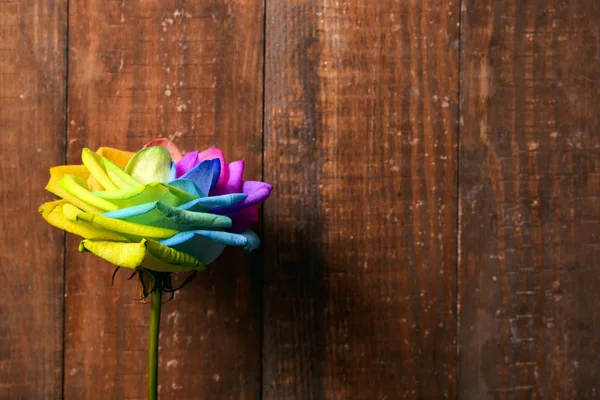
(234,184)
(212,153)
(167,144)
(189,161)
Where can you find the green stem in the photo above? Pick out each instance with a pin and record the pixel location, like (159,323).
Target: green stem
(153,345)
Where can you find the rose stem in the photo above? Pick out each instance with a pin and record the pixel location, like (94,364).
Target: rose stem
(153,344)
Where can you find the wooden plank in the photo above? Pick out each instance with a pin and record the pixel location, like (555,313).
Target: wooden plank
(528,269)
(360,143)
(190,71)
(32,111)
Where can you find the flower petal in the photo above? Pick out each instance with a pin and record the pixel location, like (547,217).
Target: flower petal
(189,161)
(116,225)
(148,193)
(212,153)
(77,187)
(53,213)
(147,254)
(151,164)
(234,183)
(119,157)
(257,193)
(93,184)
(210,203)
(167,144)
(119,177)
(244,219)
(172,172)
(93,163)
(187,186)
(205,175)
(57,173)
(208,245)
(162,215)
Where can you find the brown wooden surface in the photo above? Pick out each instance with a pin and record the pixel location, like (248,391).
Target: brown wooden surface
(32,102)
(434,228)
(529,189)
(360,237)
(190,71)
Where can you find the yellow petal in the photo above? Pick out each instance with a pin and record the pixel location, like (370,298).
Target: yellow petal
(117,225)
(122,179)
(119,157)
(56,173)
(93,162)
(94,185)
(53,212)
(63,194)
(147,254)
(77,187)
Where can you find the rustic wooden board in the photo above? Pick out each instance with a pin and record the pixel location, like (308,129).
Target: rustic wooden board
(190,71)
(529,187)
(32,102)
(360,234)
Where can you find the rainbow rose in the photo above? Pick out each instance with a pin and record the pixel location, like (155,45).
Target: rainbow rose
(157,209)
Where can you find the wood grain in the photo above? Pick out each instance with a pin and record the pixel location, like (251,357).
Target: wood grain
(190,71)
(360,235)
(32,102)
(528,269)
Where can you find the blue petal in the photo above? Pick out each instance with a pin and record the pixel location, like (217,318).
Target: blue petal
(173,172)
(205,175)
(188,186)
(124,213)
(253,240)
(208,203)
(208,245)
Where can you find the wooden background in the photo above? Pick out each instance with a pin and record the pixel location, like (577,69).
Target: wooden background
(434,231)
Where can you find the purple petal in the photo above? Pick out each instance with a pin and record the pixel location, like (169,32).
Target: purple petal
(213,153)
(189,161)
(256,191)
(244,219)
(234,184)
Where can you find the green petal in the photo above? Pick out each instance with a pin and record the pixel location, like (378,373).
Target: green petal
(122,179)
(152,164)
(147,254)
(93,162)
(147,193)
(76,186)
(116,225)
(181,220)
(53,212)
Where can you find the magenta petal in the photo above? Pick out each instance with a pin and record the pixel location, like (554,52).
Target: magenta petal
(167,144)
(234,184)
(212,153)
(189,161)
(244,219)
(236,174)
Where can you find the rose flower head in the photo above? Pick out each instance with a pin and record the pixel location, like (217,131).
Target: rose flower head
(156,210)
